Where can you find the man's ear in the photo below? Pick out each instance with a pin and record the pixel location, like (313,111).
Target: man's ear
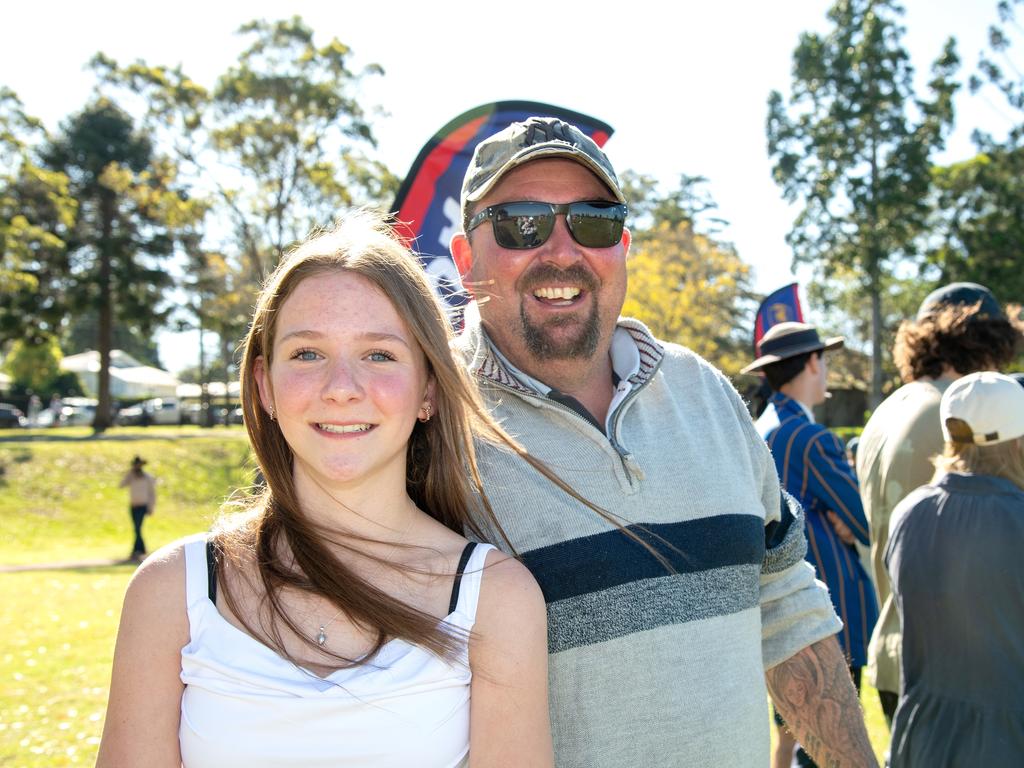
(627,238)
(462,255)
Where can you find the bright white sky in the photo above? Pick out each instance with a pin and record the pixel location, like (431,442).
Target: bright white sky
(683,84)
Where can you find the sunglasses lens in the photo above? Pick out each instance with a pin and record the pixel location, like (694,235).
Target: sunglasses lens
(596,225)
(522,225)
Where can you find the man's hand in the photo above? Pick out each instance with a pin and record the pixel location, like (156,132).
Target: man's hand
(815,696)
(842,531)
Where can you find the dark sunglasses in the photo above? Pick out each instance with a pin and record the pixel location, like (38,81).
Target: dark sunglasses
(528,224)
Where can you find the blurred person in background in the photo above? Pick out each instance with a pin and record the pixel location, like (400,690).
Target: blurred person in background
(954,562)
(812,465)
(960,328)
(141,500)
(35,405)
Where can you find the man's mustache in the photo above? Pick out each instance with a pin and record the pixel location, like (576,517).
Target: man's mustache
(549,274)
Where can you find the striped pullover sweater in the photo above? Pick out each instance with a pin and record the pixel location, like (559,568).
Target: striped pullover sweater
(649,666)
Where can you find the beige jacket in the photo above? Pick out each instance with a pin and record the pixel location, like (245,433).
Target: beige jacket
(893,458)
(141,489)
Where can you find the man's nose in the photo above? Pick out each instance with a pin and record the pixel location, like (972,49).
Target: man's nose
(561,248)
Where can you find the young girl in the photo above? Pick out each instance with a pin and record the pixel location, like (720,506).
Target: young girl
(343,619)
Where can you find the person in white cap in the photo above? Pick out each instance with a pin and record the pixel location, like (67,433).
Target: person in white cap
(954,562)
(960,328)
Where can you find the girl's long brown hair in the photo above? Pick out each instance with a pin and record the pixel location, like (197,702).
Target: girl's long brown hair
(442,476)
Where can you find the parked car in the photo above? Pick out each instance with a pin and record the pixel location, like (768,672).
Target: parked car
(11,416)
(159,410)
(78,412)
(234,415)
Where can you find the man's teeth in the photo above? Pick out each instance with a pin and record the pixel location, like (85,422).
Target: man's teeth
(556,293)
(343,428)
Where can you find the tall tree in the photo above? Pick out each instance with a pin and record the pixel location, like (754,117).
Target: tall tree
(979,211)
(997,68)
(280,143)
(82,331)
(979,218)
(843,310)
(283,128)
(290,123)
(853,147)
(36,215)
(127,209)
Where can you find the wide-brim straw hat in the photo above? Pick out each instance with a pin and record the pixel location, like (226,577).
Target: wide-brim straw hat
(790,339)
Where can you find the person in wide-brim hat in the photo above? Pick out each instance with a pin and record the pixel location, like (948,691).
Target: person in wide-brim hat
(812,466)
(787,340)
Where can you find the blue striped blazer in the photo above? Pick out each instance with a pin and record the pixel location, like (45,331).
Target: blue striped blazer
(812,466)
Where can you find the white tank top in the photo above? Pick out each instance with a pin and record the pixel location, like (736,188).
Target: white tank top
(244,705)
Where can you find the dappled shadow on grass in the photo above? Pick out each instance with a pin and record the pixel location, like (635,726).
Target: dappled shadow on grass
(115,435)
(91,567)
(15,456)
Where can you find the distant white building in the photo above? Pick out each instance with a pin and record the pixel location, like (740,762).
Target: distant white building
(129,379)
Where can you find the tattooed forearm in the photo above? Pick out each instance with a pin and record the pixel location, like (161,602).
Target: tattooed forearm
(815,696)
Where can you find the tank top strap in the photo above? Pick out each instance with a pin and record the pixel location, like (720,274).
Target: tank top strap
(196,573)
(468,582)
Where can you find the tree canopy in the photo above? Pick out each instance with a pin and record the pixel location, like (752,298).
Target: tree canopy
(37,212)
(852,145)
(685,285)
(127,210)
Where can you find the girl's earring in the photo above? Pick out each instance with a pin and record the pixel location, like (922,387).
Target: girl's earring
(428,411)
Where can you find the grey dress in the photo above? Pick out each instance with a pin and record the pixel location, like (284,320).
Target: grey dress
(956,561)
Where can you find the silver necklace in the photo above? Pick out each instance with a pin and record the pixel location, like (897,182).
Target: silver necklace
(321,636)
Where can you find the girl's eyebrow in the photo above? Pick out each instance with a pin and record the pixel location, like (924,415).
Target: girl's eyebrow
(365,336)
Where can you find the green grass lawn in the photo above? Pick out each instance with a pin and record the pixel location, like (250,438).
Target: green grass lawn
(56,643)
(59,502)
(59,494)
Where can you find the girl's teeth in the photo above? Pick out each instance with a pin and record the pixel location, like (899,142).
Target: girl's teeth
(343,428)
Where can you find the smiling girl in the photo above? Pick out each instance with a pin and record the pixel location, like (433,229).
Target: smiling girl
(342,618)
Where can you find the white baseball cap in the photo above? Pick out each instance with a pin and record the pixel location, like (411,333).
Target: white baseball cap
(991,406)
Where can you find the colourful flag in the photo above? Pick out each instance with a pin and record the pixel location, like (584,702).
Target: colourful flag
(427,203)
(780,306)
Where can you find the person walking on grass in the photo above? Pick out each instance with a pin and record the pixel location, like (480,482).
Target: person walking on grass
(141,499)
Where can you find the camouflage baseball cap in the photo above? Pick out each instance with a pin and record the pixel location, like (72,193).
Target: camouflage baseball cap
(532,139)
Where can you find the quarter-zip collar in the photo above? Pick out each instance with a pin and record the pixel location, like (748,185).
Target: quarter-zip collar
(634,368)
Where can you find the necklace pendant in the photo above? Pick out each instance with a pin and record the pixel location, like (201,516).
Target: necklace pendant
(321,638)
